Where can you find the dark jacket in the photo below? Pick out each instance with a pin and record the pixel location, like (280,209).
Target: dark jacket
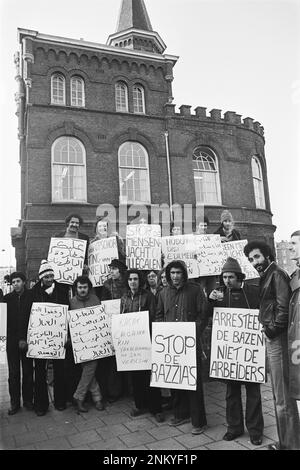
(275,293)
(186,304)
(18,313)
(58,296)
(90,301)
(294,336)
(235,235)
(245,297)
(81,236)
(141,301)
(113,289)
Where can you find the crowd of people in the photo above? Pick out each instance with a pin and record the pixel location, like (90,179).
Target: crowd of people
(168,296)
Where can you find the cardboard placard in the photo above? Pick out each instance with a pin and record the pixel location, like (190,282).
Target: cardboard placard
(236,250)
(67,258)
(143,247)
(100,255)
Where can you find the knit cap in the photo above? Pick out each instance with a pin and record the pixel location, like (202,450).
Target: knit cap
(232,266)
(226,215)
(45,269)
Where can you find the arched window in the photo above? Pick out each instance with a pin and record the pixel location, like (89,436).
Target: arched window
(58,89)
(134,173)
(258,184)
(206,176)
(68,170)
(77,92)
(121,97)
(138,99)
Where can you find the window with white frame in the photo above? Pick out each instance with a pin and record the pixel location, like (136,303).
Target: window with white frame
(77,92)
(68,170)
(121,97)
(138,99)
(58,89)
(206,176)
(258,184)
(134,173)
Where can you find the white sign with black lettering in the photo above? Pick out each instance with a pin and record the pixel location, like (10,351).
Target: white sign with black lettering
(143,247)
(67,258)
(100,255)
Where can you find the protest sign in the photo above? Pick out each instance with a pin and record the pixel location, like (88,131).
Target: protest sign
(208,255)
(3,332)
(90,333)
(179,247)
(236,250)
(237,346)
(131,339)
(111,307)
(47,331)
(67,258)
(143,247)
(174,355)
(100,255)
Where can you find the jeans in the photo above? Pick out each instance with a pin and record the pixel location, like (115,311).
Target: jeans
(234,408)
(287,418)
(88,382)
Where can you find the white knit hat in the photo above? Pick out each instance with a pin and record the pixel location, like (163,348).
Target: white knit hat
(45,268)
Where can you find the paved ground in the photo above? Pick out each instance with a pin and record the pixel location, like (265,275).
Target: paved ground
(114,429)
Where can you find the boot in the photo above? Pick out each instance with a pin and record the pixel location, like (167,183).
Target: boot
(80,406)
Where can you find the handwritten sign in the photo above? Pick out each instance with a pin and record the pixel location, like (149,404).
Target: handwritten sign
(90,334)
(111,307)
(208,255)
(3,333)
(179,247)
(174,355)
(143,247)
(238,346)
(100,255)
(47,331)
(67,258)
(131,339)
(236,250)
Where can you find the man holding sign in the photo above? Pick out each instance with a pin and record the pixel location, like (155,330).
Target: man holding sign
(235,295)
(184,301)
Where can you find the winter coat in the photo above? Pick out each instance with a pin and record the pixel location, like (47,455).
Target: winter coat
(139,302)
(294,336)
(58,296)
(18,313)
(113,289)
(275,293)
(90,301)
(235,234)
(244,297)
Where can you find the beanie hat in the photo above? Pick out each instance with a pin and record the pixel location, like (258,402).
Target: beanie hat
(116,263)
(232,266)
(226,215)
(45,268)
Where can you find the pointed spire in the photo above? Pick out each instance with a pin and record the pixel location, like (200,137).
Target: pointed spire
(134,30)
(133,14)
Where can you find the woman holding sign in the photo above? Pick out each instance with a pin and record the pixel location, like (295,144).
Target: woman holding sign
(139,300)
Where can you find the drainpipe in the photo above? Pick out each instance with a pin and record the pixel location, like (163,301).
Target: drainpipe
(169,173)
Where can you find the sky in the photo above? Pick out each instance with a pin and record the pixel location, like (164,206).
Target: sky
(235,55)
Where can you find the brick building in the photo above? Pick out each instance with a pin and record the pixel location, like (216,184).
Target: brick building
(284,258)
(97,124)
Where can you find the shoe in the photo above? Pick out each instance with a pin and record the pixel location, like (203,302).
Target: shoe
(198,430)
(230,436)
(80,406)
(137,412)
(41,412)
(178,421)
(99,406)
(60,407)
(256,440)
(13,410)
(274,446)
(159,417)
(28,406)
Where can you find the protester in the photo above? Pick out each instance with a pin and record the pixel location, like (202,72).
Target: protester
(207,283)
(112,383)
(185,301)
(235,294)
(138,299)
(18,312)
(151,283)
(294,320)
(202,226)
(85,298)
(226,230)
(73,223)
(175,229)
(47,290)
(273,315)
(162,279)
(1,295)
(102,231)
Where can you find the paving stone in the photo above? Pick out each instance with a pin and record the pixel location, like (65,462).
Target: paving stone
(81,448)
(139,424)
(271,432)
(137,437)
(245,441)
(60,430)
(163,432)
(116,418)
(11,429)
(30,438)
(110,432)
(215,419)
(40,423)
(93,423)
(189,441)
(166,444)
(58,443)
(200,448)
(213,409)
(216,433)
(113,444)
(138,448)
(29,447)
(7,442)
(85,437)
(225,445)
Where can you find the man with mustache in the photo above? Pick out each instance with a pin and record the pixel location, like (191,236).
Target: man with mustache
(275,296)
